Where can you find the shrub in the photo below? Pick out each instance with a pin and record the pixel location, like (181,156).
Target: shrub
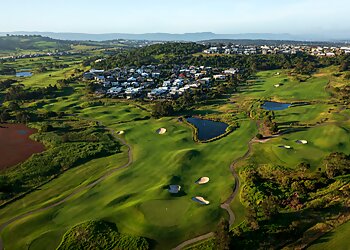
(100,235)
(259,136)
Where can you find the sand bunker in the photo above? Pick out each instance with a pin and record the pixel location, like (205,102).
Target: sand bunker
(286,147)
(120,132)
(202,180)
(174,189)
(200,200)
(161,131)
(302,141)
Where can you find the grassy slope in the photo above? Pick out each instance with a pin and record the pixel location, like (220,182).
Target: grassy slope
(337,239)
(292,90)
(43,79)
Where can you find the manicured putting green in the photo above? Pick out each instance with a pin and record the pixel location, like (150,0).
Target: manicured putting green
(165,213)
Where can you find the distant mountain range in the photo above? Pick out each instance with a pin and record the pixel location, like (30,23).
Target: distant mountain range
(200,36)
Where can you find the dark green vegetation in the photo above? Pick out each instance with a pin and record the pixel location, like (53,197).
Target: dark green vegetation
(69,143)
(100,235)
(285,194)
(38,43)
(283,203)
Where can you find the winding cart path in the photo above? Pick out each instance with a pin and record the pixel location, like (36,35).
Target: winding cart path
(79,190)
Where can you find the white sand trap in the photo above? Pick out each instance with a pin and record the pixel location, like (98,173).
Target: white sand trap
(174,189)
(285,146)
(161,131)
(302,141)
(200,200)
(276,85)
(120,132)
(202,180)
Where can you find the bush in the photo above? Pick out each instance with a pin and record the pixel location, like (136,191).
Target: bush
(46,128)
(259,136)
(100,235)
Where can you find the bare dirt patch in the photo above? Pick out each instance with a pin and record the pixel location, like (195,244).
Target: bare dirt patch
(15,144)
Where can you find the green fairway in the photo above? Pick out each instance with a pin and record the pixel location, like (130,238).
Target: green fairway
(135,199)
(291,90)
(322,140)
(338,239)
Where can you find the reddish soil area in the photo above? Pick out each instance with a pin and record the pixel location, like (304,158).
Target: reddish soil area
(15,145)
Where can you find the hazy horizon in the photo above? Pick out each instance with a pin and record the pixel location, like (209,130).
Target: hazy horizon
(297,17)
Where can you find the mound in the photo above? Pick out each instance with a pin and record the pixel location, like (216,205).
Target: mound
(161,131)
(202,180)
(200,200)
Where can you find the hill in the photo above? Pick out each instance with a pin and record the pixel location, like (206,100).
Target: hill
(198,36)
(32,42)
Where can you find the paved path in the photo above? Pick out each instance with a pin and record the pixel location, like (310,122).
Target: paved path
(194,240)
(79,190)
(226,204)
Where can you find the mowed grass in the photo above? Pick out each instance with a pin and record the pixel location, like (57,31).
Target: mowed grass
(308,114)
(292,90)
(322,140)
(338,239)
(135,198)
(43,79)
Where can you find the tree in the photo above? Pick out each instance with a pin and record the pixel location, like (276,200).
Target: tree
(4,116)
(13,106)
(304,166)
(344,66)
(259,136)
(164,108)
(46,128)
(222,236)
(337,164)
(269,207)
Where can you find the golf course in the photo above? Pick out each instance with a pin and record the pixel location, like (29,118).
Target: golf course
(129,159)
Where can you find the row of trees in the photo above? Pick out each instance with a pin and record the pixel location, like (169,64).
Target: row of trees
(182,54)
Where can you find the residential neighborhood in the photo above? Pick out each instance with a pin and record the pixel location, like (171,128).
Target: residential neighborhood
(152,82)
(238,49)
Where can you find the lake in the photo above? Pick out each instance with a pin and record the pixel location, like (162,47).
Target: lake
(16,145)
(24,74)
(275,106)
(208,129)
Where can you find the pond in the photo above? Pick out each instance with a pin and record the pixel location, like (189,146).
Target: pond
(16,145)
(24,74)
(208,129)
(275,106)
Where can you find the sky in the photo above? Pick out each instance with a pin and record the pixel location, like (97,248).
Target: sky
(176,16)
